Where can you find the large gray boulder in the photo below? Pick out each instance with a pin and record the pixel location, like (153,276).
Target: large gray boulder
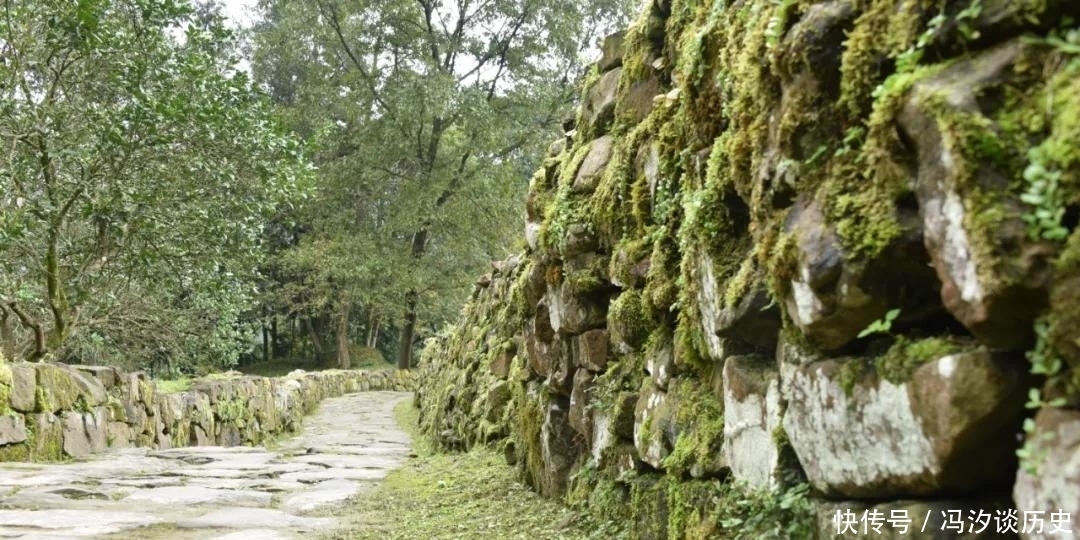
(949,430)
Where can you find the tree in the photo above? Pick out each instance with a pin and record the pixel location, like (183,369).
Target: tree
(431,113)
(139,169)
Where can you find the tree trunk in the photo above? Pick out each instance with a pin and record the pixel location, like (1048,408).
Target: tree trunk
(266,341)
(313,334)
(343,336)
(373,332)
(408,330)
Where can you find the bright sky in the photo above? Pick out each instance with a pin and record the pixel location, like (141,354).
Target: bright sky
(239,12)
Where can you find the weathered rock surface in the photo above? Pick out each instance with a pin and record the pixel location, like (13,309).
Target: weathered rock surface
(753,413)
(1054,483)
(833,296)
(948,429)
(598,110)
(588,176)
(12,429)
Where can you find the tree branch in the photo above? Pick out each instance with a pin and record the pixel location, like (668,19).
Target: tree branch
(39,335)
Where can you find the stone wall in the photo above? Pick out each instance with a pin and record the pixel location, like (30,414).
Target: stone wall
(55,411)
(797,247)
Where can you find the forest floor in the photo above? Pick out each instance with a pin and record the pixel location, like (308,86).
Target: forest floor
(458,496)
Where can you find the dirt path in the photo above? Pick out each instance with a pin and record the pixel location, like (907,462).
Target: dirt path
(213,492)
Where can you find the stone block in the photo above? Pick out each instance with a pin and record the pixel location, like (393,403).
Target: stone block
(948,430)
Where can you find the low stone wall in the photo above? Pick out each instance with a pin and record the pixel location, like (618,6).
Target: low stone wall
(55,411)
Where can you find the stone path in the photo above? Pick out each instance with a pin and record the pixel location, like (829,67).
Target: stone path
(211,492)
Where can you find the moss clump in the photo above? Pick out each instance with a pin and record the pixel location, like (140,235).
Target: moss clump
(5,386)
(56,389)
(232,410)
(628,319)
(606,499)
(624,184)
(525,434)
(660,292)
(626,255)
(907,355)
(566,208)
(701,420)
(589,279)
(688,510)
(851,371)
(691,350)
(15,452)
(884,30)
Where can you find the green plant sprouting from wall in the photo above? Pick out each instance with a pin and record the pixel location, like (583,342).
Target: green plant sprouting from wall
(1046,363)
(1043,195)
(882,325)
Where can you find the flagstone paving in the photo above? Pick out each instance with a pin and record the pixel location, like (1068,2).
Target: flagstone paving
(212,492)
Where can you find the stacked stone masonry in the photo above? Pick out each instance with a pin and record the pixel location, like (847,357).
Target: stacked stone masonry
(55,411)
(785,243)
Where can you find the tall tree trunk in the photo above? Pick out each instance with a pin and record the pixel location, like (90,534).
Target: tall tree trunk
(290,326)
(343,335)
(266,341)
(373,332)
(313,328)
(408,330)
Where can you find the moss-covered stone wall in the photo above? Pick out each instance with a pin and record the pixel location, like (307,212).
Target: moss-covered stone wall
(825,250)
(54,411)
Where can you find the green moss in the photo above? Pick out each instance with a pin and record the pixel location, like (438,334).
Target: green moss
(624,184)
(628,318)
(691,350)
(609,498)
(56,389)
(884,30)
(6,384)
(907,355)
(15,452)
(233,410)
(688,504)
(780,437)
(566,208)
(660,291)
(43,444)
(648,506)
(590,279)
(526,433)
(626,255)
(851,371)
(636,67)
(701,419)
